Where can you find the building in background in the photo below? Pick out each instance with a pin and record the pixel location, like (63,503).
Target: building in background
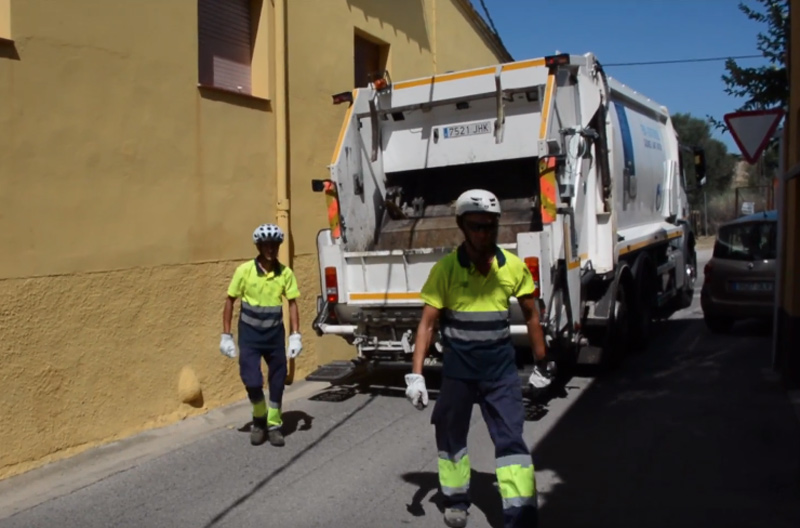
(140,144)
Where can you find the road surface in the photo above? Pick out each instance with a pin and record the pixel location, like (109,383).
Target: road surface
(692,432)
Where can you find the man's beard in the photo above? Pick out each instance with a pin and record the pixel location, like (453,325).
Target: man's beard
(485,249)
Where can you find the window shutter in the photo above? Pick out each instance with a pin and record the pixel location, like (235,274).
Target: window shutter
(225,54)
(367,60)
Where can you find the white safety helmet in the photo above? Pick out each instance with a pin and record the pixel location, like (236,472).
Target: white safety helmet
(267,233)
(477,201)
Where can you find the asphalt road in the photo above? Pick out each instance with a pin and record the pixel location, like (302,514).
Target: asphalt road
(692,432)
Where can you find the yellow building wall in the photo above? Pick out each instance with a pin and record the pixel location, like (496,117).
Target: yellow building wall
(5,19)
(127,197)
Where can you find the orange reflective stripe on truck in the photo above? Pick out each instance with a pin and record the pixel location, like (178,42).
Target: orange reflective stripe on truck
(547,189)
(333,208)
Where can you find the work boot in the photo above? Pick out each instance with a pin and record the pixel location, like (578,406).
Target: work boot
(455,518)
(258,433)
(276,437)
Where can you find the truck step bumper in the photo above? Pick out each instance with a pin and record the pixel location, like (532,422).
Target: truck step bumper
(333,372)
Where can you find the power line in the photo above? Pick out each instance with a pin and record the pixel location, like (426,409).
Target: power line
(683,61)
(489,18)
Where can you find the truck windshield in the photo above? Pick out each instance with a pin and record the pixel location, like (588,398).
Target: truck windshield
(747,241)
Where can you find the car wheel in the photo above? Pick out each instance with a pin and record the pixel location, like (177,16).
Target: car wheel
(686,295)
(717,324)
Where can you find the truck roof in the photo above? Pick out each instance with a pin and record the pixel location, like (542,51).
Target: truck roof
(433,83)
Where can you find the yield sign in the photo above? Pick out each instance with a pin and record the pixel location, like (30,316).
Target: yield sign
(752,130)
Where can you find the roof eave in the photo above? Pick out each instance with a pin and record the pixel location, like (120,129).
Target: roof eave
(485,31)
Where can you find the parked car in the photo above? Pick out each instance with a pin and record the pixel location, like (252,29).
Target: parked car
(740,277)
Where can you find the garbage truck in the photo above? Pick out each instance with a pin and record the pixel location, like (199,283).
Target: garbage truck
(593,188)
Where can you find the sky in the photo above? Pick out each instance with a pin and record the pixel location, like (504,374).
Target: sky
(620,31)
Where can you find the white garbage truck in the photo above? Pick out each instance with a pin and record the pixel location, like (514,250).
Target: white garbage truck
(591,181)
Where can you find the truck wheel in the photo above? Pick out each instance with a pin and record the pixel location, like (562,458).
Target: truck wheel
(641,319)
(618,334)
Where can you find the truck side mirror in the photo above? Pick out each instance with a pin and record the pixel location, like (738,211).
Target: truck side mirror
(318,185)
(700,166)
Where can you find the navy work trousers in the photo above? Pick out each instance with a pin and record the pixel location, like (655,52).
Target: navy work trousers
(503,411)
(250,370)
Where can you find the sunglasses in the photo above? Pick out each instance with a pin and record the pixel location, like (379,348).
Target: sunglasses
(481,226)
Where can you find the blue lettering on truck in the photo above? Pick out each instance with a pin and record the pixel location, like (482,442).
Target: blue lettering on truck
(652,139)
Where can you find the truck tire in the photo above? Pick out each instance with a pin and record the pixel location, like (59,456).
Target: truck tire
(617,340)
(643,307)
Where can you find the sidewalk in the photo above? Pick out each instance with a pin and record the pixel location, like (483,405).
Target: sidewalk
(65,476)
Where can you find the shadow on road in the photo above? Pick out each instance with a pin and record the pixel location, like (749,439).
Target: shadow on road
(292,419)
(391,383)
(310,447)
(690,432)
(291,423)
(483,492)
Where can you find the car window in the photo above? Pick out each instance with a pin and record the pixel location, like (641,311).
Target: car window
(750,241)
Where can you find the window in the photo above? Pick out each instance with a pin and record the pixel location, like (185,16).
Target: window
(747,241)
(5,19)
(231,54)
(368,57)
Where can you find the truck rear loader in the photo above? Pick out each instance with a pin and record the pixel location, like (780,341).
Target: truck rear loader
(590,177)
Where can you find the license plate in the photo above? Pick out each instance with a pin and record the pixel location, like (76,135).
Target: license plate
(752,286)
(471,129)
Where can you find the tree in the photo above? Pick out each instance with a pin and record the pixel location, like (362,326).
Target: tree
(763,86)
(696,132)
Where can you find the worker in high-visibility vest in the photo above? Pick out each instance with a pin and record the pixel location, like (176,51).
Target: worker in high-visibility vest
(468,293)
(261,284)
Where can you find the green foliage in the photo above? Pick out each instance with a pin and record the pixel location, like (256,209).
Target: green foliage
(766,86)
(765,168)
(696,132)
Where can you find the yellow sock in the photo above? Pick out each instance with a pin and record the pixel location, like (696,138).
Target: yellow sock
(260,409)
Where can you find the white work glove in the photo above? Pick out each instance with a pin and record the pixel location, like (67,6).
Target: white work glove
(416,392)
(226,346)
(295,345)
(543,374)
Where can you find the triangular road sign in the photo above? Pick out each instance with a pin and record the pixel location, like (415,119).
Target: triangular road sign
(752,130)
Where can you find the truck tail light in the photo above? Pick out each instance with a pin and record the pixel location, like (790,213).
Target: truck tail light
(331,285)
(380,84)
(557,60)
(533,267)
